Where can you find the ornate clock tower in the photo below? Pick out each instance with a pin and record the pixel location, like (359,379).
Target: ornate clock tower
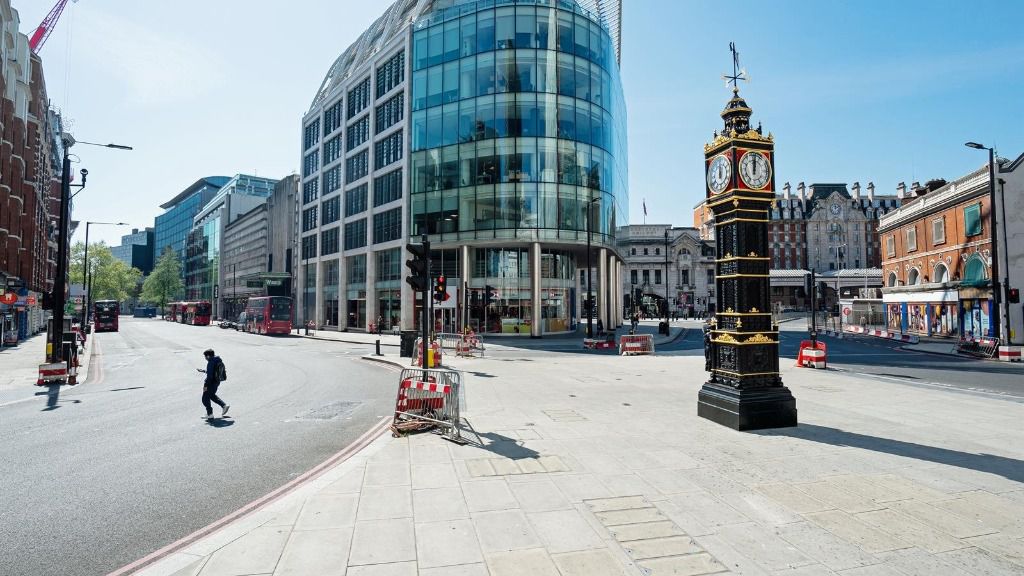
(745,391)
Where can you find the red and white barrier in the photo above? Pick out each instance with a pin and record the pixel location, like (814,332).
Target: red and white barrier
(812,354)
(53,373)
(909,338)
(596,344)
(630,344)
(1010,354)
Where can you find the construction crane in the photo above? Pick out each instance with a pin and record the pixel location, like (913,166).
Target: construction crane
(35,43)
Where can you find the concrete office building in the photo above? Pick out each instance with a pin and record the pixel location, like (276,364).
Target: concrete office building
(498,132)
(204,265)
(136,250)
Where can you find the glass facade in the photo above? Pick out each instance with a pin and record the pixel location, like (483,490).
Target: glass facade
(518,124)
(202,262)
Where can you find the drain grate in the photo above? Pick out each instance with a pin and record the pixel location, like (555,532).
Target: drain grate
(331,411)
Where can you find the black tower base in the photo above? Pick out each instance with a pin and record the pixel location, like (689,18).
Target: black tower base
(747,409)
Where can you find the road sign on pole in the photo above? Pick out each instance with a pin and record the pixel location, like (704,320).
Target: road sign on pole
(69,307)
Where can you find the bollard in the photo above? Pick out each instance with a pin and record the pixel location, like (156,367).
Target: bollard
(378,348)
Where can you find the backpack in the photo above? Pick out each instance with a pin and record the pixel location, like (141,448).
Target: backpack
(222,372)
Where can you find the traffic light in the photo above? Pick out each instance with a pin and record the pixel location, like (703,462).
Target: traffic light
(441,289)
(488,295)
(1013,295)
(419,279)
(47,300)
(821,289)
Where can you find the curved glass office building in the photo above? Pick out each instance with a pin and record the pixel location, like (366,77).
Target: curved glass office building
(515,156)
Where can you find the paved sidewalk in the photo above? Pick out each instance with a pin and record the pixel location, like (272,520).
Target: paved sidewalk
(19,366)
(598,465)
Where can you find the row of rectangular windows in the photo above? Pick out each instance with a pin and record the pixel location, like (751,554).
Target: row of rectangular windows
(387,226)
(389,75)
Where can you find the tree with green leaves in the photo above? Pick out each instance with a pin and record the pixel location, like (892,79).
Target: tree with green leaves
(164,283)
(111,278)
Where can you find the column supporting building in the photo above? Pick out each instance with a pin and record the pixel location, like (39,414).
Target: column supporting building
(371,290)
(535,284)
(464,277)
(602,287)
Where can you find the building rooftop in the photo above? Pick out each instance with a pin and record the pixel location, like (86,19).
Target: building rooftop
(214,181)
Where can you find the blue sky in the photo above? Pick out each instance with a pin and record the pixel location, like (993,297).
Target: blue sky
(885,92)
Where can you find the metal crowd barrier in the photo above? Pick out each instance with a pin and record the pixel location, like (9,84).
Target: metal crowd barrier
(980,347)
(429,398)
(636,344)
(449,340)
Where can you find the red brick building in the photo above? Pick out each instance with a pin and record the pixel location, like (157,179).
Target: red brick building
(937,260)
(29,181)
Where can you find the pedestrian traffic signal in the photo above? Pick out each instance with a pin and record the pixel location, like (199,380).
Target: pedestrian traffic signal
(419,278)
(441,289)
(1013,295)
(488,295)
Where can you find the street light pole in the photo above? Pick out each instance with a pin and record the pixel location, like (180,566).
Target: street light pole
(997,323)
(87,273)
(55,353)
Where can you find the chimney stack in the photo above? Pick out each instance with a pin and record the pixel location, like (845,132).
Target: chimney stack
(871,191)
(901,190)
(801,191)
(856,191)
(785,191)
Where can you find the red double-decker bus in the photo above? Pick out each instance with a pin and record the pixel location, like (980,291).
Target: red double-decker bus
(197,313)
(268,315)
(104,315)
(173,310)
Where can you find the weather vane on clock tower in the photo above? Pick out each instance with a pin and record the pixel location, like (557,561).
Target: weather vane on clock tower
(737,72)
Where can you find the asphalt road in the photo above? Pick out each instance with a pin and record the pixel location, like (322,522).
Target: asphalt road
(107,472)
(886,360)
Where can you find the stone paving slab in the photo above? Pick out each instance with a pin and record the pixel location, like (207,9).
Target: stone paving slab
(601,467)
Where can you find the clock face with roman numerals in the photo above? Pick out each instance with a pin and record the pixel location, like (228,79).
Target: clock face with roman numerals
(755,169)
(719,173)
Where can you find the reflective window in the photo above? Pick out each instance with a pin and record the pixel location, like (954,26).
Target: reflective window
(358,98)
(355,200)
(332,118)
(355,234)
(387,225)
(329,241)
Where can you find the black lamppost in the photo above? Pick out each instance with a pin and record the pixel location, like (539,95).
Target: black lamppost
(996,287)
(60,278)
(87,273)
(593,305)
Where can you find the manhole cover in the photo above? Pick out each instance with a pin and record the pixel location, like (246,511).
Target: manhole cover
(330,411)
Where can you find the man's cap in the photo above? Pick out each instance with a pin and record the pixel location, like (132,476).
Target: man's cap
(208,352)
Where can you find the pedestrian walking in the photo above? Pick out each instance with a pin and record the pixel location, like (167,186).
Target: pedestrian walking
(380,323)
(215,374)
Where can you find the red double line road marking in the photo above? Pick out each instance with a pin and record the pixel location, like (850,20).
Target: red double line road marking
(360,443)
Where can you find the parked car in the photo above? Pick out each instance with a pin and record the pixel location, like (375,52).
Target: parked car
(240,324)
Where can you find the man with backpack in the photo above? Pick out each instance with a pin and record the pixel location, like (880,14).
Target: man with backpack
(215,374)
